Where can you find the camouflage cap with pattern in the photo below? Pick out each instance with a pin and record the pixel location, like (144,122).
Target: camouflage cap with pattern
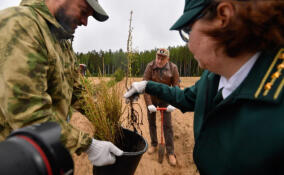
(163,52)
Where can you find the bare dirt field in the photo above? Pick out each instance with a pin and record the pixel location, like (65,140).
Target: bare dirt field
(183,142)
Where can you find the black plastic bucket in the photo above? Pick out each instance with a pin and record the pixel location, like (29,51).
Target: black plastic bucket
(134,146)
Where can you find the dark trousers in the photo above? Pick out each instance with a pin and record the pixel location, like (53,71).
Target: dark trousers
(168,130)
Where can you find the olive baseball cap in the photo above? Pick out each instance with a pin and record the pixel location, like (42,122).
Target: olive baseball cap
(163,52)
(99,13)
(192,10)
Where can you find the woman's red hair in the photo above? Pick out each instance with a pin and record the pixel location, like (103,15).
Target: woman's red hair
(258,25)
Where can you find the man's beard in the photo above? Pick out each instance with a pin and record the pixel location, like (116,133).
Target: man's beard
(64,20)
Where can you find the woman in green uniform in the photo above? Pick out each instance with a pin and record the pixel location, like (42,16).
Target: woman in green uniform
(238,102)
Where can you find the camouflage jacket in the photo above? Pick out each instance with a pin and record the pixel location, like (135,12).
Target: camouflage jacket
(38,72)
(168,75)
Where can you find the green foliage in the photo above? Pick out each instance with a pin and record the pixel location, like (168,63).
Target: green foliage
(118,75)
(110,61)
(111,83)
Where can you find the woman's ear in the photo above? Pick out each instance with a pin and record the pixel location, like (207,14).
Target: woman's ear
(225,11)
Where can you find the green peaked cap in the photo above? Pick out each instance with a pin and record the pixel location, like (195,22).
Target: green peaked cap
(192,9)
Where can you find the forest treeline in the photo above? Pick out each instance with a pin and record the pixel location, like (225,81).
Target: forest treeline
(108,62)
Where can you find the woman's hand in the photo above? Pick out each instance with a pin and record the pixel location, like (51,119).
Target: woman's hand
(136,88)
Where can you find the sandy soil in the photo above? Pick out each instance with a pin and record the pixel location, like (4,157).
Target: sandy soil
(183,141)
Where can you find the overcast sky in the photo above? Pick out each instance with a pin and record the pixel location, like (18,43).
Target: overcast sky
(151,22)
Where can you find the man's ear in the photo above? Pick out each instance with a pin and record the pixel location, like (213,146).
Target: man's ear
(225,11)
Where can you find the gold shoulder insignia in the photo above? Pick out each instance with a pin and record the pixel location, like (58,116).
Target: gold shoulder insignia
(267,87)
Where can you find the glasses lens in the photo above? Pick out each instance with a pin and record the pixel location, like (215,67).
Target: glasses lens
(184,34)
(186,29)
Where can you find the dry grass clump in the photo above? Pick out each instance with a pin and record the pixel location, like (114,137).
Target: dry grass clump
(102,105)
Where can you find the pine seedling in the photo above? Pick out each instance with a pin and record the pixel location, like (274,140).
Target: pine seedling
(103,107)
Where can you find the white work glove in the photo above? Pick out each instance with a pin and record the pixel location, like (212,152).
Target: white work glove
(136,88)
(170,108)
(152,108)
(102,153)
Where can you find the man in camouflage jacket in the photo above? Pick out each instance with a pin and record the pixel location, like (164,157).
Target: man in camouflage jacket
(38,72)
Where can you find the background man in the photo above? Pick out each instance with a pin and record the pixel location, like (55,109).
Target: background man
(83,69)
(163,71)
(38,72)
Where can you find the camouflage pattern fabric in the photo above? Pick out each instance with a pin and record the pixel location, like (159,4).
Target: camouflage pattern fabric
(37,72)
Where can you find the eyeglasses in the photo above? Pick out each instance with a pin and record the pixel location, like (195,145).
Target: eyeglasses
(185,32)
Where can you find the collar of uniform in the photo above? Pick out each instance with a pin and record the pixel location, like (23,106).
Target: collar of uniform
(167,66)
(41,8)
(252,82)
(229,85)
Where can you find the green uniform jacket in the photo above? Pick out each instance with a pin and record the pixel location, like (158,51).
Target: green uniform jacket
(243,134)
(37,72)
